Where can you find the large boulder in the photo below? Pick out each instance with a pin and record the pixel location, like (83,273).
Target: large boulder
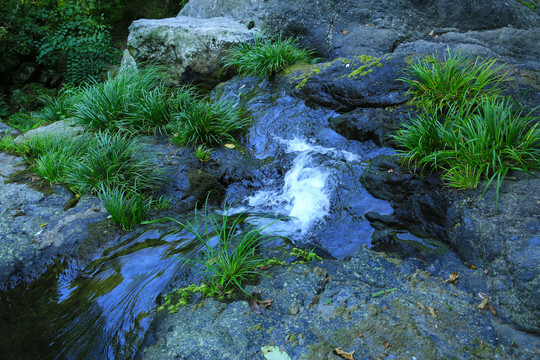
(349,27)
(192,48)
(503,241)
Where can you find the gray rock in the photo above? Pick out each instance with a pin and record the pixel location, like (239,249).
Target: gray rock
(349,27)
(5,129)
(324,305)
(63,127)
(35,230)
(192,48)
(128,63)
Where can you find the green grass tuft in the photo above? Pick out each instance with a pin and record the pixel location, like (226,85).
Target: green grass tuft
(204,123)
(436,85)
(266,55)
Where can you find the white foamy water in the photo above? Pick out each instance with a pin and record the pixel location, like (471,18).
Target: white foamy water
(305,196)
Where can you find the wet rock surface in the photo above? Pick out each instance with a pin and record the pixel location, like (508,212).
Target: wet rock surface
(324,305)
(501,240)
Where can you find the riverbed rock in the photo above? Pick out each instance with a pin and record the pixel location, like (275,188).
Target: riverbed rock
(349,27)
(191,48)
(344,84)
(503,240)
(321,306)
(36,231)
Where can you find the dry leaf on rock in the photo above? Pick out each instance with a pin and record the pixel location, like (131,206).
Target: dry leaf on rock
(432,311)
(453,278)
(345,32)
(229,146)
(386,344)
(343,354)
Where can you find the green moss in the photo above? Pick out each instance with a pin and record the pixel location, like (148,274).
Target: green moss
(292,338)
(257,327)
(366,63)
(178,298)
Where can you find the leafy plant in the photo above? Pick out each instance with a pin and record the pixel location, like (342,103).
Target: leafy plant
(204,123)
(437,85)
(266,55)
(24,121)
(58,107)
(231,249)
(475,142)
(113,160)
(126,207)
(202,153)
(110,105)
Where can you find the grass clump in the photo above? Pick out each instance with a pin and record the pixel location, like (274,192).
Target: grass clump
(204,123)
(477,142)
(266,55)
(126,207)
(113,159)
(231,250)
(436,85)
(113,166)
(112,104)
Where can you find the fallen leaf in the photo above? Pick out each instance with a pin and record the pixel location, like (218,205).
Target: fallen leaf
(421,306)
(344,32)
(229,146)
(453,278)
(515,345)
(486,271)
(472,267)
(432,311)
(34,178)
(384,308)
(359,335)
(254,306)
(386,344)
(274,353)
(327,302)
(492,310)
(484,303)
(42,225)
(343,354)
(431,33)
(436,36)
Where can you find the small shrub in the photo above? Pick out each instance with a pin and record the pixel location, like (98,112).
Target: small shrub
(266,55)
(203,123)
(438,85)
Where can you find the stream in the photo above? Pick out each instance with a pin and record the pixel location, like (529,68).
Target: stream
(105,311)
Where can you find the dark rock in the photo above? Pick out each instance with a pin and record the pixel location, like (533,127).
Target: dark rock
(375,124)
(348,28)
(346,84)
(504,241)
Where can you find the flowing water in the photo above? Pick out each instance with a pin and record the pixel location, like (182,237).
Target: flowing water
(104,311)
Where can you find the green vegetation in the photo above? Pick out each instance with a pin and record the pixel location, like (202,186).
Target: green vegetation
(127,208)
(467,130)
(203,154)
(231,250)
(204,123)
(111,165)
(7,144)
(455,81)
(266,55)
